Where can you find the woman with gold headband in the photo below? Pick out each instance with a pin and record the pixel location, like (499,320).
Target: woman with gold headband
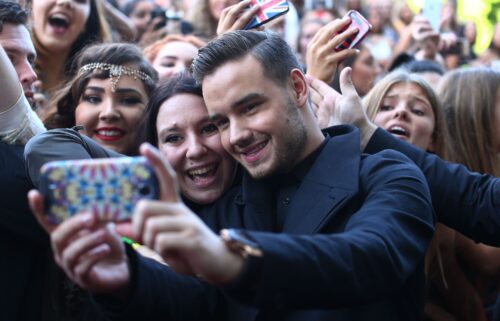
(107,96)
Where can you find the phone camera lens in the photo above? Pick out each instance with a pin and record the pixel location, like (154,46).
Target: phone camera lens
(144,190)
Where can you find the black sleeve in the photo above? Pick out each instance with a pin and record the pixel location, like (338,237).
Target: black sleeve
(465,201)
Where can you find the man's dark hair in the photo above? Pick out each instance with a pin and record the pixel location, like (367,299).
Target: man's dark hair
(12,12)
(269,49)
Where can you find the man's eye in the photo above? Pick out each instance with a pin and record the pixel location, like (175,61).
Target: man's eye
(209,129)
(221,123)
(385,108)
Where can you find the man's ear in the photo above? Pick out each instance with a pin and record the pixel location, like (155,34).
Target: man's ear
(299,87)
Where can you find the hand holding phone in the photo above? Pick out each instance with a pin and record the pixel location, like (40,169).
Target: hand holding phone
(108,188)
(268,10)
(363,26)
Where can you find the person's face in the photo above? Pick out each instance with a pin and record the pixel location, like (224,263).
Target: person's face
(141,15)
(216,6)
(111,118)
(364,72)
(406,113)
(470,32)
(307,33)
(173,58)
(496,36)
(191,143)
(58,23)
(16,41)
(258,120)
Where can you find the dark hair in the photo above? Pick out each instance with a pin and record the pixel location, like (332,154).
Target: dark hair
(182,83)
(418,66)
(12,12)
(269,49)
(62,111)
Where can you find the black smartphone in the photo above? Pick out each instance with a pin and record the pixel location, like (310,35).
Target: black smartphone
(159,13)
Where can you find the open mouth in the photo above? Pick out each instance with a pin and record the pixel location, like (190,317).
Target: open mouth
(59,22)
(399,131)
(202,174)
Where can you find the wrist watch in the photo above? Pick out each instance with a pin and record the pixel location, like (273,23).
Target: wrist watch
(239,242)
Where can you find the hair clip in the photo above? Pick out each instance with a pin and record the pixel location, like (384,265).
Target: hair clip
(116,71)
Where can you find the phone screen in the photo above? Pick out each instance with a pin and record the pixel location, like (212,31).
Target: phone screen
(432,12)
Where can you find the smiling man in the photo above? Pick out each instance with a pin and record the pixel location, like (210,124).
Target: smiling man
(316,231)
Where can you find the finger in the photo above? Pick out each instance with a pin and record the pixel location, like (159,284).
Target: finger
(66,230)
(330,30)
(337,56)
(35,201)
(340,38)
(144,210)
(80,248)
(157,226)
(94,256)
(246,17)
(320,87)
(346,85)
(167,178)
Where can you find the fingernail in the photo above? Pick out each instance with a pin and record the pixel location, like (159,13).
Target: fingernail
(86,219)
(111,227)
(357,51)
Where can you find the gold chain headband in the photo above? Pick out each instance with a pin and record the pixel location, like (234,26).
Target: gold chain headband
(116,71)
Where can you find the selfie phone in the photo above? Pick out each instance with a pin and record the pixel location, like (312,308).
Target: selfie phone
(268,10)
(107,187)
(357,21)
(432,12)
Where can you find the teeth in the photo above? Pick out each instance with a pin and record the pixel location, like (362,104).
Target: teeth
(60,17)
(397,130)
(109,133)
(201,171)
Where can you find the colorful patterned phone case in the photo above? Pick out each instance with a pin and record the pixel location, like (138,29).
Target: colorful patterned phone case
(107,187)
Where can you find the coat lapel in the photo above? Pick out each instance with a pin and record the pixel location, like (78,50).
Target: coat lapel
(330,184)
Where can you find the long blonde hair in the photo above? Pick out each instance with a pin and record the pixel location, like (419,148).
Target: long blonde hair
(469,101)
(373,101)
(205,26)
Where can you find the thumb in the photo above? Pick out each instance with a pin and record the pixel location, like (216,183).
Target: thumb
(167,178)
(346,85)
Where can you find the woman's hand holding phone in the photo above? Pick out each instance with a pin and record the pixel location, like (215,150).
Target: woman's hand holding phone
(236,17)
(322,57)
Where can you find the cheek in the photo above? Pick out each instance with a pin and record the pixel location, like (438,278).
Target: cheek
(82,13)
(381,119)
(174,156)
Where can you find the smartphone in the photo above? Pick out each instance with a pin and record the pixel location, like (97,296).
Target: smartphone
(364,27)
(432,12)
(162,14)
(269,10)
(107,187)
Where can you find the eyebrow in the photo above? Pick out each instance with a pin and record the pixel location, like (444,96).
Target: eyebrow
(166,130)
(118,90)
(419,98)
(245,100)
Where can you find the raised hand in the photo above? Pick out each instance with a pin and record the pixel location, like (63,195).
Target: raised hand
(236,17)
(90,252)
(321,57)
(183,240)
(333,108)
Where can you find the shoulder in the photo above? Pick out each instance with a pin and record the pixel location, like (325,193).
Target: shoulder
(390,165)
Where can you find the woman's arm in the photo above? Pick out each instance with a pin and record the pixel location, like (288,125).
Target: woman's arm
(18,122)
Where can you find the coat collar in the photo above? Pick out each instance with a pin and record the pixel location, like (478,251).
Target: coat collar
(331,181)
